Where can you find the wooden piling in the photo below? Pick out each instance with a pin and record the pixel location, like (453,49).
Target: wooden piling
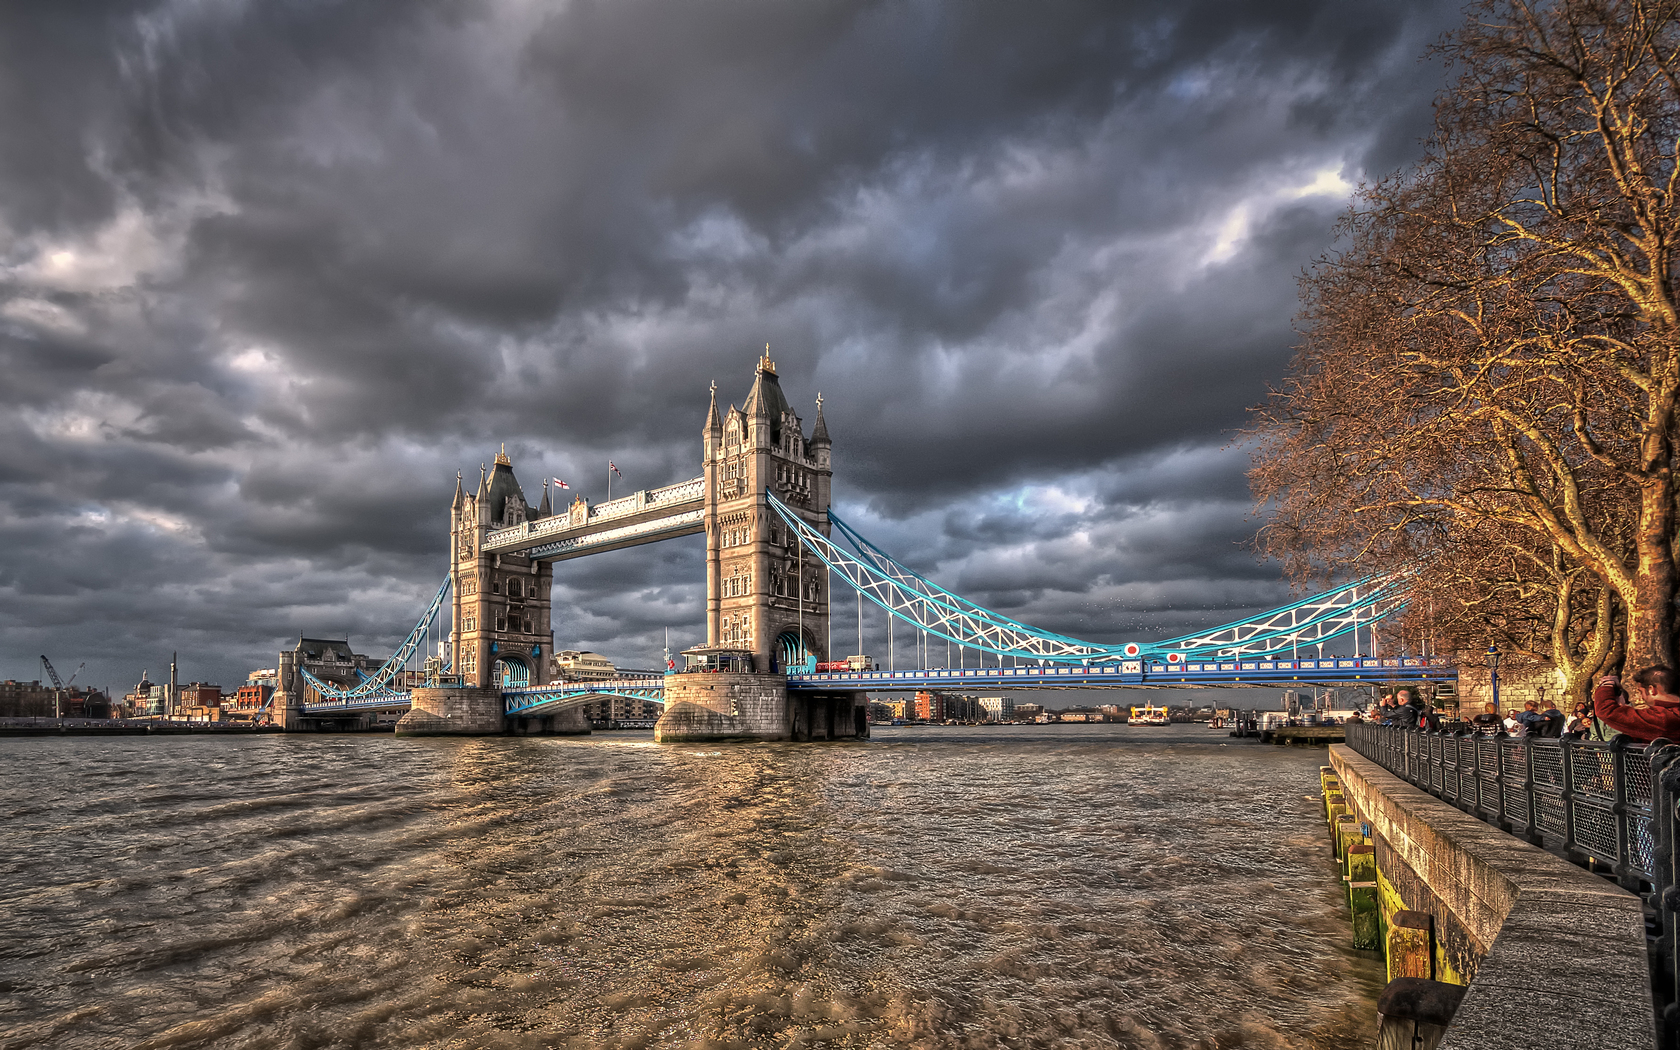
(1348,835)
(1341,838)
(1364,902)
(1409,950)
(1413,1014)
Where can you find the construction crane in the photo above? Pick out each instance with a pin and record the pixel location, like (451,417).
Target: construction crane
(60,687)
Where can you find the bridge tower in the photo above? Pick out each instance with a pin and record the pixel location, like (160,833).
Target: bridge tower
(500,633)
(764,593)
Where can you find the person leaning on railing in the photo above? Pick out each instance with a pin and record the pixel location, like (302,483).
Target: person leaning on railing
(1409,712)
(1656,687)
(1488,723)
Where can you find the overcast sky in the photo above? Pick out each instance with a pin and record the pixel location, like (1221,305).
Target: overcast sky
(271,273)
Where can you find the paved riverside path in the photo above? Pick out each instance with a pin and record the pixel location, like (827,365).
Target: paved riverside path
(1563,951)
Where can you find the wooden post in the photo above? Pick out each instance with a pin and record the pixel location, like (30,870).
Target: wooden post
(1334,806)
(1363,900)
(1413,1014)
(1361,863)
(1348,835)
(1410,952)
(1342,839)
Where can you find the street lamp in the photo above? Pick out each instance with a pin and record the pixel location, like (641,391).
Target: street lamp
(1493,672)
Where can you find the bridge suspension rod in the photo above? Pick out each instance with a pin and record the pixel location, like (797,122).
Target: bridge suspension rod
(925,605)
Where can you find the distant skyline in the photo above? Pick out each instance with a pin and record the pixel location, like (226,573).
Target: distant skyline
(272,274)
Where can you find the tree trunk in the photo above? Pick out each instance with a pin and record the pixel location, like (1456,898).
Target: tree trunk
(1651,611)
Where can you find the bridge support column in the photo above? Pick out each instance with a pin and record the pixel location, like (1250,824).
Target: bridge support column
(828,716)
(712,706)
(454,712)
(283,711)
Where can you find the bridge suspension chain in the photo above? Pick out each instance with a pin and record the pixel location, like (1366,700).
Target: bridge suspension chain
(911,597)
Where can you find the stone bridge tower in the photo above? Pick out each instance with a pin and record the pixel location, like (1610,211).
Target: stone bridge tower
(764,592)
(501,634)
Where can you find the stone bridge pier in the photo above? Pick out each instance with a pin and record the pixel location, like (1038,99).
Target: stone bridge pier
(727,705)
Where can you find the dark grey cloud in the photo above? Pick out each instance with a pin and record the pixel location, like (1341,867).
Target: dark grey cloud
(271,274)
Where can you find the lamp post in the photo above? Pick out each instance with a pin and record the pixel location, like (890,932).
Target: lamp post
(1493,672)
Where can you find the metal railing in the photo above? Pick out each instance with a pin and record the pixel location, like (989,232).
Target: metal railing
(1609,805)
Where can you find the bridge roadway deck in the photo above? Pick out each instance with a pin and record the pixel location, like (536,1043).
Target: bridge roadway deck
(1227,674)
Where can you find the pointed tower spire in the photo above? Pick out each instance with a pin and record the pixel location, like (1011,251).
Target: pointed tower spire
(483,482)
(714,425)
(819,433)
(544,509)
(460,496)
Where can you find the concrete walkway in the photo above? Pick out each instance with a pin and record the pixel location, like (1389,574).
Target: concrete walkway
(1564,961)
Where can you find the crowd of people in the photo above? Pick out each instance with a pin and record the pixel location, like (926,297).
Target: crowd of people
(1651,711)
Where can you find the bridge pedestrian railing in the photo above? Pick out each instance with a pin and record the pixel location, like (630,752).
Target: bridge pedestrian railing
(1609,805)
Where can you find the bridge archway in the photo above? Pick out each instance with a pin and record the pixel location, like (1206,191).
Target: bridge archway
(790,652)
(512,672)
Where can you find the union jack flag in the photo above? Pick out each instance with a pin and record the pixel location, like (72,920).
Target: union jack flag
(613,468)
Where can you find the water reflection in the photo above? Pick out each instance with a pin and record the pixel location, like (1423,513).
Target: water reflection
(1057,887)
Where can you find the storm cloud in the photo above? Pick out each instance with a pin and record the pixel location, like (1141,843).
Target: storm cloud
(271,274)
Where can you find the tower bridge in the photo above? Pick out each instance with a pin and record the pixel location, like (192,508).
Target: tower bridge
(774,548)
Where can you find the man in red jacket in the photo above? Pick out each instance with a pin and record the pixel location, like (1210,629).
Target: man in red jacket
(1656,688)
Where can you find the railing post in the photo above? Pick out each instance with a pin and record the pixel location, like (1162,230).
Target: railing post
(1569,747)
(1499,775)
(1531,829)
(1623,868)
(1476,771)
(1665,828)
(1458,767)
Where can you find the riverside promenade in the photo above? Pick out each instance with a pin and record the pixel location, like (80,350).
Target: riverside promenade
(123,727)
(1508,884)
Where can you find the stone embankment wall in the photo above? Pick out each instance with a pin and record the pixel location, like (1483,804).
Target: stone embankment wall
(1517,685)
(1553,956)
(717,706)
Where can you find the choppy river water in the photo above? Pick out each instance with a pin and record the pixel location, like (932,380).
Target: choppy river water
(1058,886)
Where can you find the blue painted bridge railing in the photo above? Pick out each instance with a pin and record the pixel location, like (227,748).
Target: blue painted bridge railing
(536,700)
(1231,672)
(1609,805)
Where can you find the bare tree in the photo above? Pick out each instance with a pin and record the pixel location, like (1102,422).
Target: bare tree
(1486,393)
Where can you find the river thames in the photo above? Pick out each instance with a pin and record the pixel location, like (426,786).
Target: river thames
(1048,886)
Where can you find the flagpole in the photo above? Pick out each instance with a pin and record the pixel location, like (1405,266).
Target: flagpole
(609,482)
